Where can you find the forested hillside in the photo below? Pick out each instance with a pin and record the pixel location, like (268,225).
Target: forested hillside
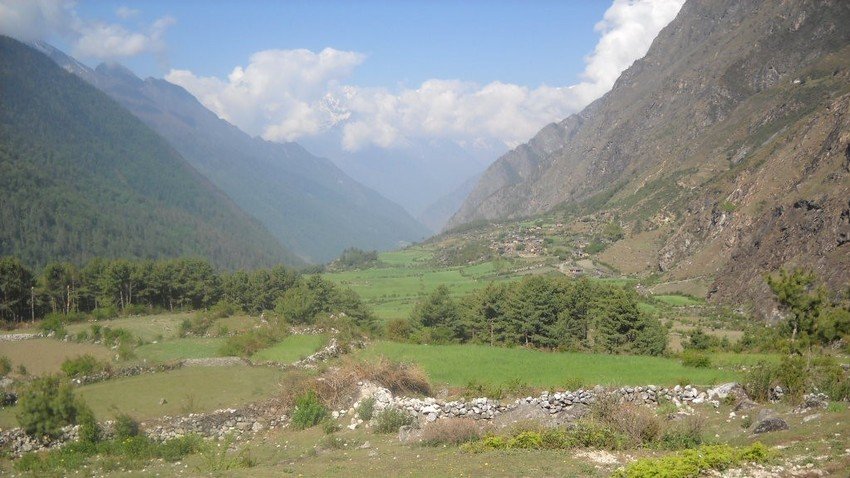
(81,177)
(307,203)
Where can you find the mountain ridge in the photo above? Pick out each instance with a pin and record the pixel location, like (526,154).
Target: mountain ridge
(82,177)
(681,126)
(306,201)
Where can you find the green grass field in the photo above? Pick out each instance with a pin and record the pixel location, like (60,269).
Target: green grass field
(392,291)
(457,365)
(292,348)
(186,390)
(148,327)
(195,347)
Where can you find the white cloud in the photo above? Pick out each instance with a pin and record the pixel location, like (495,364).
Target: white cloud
(287,94)
(58,19)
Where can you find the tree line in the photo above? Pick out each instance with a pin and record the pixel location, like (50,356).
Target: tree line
(108,287)
(538,311)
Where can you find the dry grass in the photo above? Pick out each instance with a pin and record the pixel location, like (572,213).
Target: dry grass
(337,385)
(398,377)
(639,423)
(41,356)
(450,431)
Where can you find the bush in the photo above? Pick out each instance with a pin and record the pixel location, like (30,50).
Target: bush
(389,420)
(690,463)
(223,309)
(46,405)
(398,330)
(639,423)
(53,323)
(90,431)
(692,358)
(759,381)
(126,427)
(792,373)
(82,365)
(366,408)
(308,411)
(683,434)
(197,325)
(5,365)
(249,343)
(526,440)
(450,431)
(330,427)
(104,313)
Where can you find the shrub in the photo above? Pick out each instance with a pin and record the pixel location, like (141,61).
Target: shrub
(308,411)
(249,343)
(389,420)
(693,462)
(53,323)
(223,309)
(398,330)
(82,365)
(759,380)
(692,358)
(197,325)
(526,440)
(295,384)
(366,408)
(450,431)
(46,405)
(330,427)
(104,313)
(90,431)
(791,373)
(639,423)
(125,427)
(5,365)
(686,433)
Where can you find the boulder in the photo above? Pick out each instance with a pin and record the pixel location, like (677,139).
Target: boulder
(770,425)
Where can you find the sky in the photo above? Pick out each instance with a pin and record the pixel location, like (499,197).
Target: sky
(380,73)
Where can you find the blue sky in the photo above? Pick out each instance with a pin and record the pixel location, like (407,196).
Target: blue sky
(406,42)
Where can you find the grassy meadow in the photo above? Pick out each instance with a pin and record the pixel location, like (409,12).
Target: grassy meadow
(185,348)
(291,348)
(459,365)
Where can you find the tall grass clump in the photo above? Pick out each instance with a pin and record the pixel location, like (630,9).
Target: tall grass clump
(390,420)
(308,411)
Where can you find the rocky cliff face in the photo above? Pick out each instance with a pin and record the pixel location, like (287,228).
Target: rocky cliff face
(733,125)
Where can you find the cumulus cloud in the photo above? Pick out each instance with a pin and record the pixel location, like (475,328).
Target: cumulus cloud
(58,19)
(279,94)
(283,95)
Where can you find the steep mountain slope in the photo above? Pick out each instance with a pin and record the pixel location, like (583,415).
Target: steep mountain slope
(735,115)
(81,177)
(308,203)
